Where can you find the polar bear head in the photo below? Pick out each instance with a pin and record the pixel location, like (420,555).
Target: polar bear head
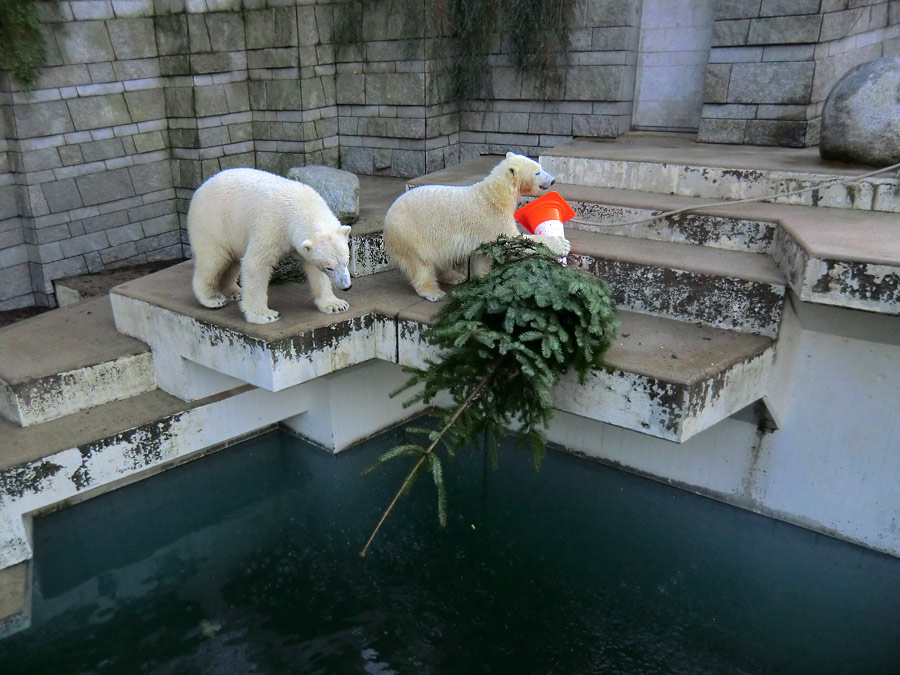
(526,175)
(329,250)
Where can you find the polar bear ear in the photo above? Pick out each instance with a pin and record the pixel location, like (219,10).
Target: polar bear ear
(510,155)
(305,247)
(345,230)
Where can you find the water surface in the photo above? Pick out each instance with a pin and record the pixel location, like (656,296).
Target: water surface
(247,562)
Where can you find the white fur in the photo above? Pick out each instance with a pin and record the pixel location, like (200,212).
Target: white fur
(244,221)
(431,228)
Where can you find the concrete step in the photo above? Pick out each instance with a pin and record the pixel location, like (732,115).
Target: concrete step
(667,378)
(367,254)
(621,212)
(670,378)
(714,287)
(70,290)
(68,360)
(675,164)
(843,257)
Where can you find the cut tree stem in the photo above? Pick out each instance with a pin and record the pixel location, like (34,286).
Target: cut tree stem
(475,393)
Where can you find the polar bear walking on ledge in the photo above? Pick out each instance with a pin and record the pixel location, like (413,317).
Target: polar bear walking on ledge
(433,227)
(241,222)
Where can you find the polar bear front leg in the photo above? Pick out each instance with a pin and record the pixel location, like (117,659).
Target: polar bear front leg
(255,275)
(320,285)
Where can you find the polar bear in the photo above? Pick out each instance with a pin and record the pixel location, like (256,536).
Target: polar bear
(243,221)
(433,227)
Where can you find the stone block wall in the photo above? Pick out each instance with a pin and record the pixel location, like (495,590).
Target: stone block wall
(773,62)
(592,96)
(141,100)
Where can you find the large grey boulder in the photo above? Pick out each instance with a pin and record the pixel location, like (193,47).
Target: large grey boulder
(339,189)
(861,118)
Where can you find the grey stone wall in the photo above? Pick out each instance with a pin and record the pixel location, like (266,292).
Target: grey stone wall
(593,95)
(773,62)
(141,100)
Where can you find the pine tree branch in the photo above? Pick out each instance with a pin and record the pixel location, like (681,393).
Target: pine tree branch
(475,393)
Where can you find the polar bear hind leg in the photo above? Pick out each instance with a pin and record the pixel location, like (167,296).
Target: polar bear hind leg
(208,273)
(423,277)
(451,276)
(230,286)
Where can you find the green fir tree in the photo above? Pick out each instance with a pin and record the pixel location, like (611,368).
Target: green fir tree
(504,339)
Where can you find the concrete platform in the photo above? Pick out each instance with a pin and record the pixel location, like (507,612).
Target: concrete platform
(385,321)
(674,164)
(68,360)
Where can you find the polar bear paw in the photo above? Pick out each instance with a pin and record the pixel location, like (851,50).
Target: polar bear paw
(332,306)
(451,277)
(558,245)
(433,296)
(213,301)
(264,316)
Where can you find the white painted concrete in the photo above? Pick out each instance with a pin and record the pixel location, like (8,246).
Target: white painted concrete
(833,466)
(872,194)
(671,68)
(50,398)
(352,405)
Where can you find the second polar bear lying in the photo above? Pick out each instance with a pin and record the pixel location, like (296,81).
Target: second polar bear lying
(241,222)
(431,228)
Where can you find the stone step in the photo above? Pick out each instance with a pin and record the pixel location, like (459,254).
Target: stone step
(843,257)
(675,164)
(625,212)
(667,378)
(70,290)
(367,254)
(68,360)
(714,287)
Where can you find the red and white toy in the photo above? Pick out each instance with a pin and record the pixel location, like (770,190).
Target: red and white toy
(546,215)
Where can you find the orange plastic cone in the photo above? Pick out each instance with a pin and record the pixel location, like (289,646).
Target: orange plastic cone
(549,207)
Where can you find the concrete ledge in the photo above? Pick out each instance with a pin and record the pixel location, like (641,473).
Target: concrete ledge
(657,163)
(68,360)
(714,287)
(668,379)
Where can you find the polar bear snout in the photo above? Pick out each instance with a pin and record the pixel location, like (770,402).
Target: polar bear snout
(545,180)
(339,277)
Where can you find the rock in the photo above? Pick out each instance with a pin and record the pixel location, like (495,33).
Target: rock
(861,118)
(288,270)
(340,189)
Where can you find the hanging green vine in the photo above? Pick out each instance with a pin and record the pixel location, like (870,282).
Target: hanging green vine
(505,339)
(22,50)
(534,33)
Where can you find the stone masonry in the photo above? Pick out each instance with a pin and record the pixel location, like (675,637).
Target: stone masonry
(141,100)
(773,62)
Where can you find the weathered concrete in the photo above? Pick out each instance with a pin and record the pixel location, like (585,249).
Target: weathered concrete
(61,362)
(797,237)
(70,290)
(726,289)
(672,166)
(668,379)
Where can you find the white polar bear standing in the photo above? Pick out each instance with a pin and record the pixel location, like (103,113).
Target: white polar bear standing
(241,222)
(433,227)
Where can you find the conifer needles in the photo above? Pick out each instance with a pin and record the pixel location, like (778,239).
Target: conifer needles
(504,339)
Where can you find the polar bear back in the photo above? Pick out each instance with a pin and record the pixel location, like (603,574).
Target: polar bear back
(234,204)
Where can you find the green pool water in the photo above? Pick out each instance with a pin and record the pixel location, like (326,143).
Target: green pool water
(246,562)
